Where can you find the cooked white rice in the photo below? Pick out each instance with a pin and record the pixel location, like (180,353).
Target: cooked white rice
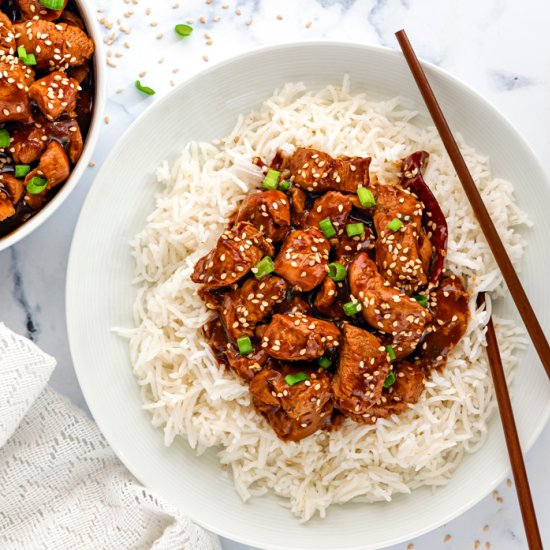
(190,395)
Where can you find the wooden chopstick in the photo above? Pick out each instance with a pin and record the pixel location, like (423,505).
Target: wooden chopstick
(491,234)
(512,440)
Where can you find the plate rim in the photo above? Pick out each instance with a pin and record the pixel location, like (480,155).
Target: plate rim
(121,143)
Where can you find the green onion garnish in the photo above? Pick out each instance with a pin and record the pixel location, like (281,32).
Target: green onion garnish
(327,228)
(4,138)
(353,229)
(396,224)
(29,59)
(21,170)
(36,185)
(324,362)
(52,4)
(21,52)
(391,353)
(390,380)
(366,198)
(271,180)
(284,185)
(144,89)
(292,379)
(245,345)
(336,271)
(422,300)
(263,267)
(183,30)
(351,308)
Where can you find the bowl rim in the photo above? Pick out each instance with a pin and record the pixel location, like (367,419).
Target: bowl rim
(100,95)
(121,142)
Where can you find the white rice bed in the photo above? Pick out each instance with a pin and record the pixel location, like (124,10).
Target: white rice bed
(189,395)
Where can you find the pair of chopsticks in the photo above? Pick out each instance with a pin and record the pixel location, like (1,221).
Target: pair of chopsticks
(514,286)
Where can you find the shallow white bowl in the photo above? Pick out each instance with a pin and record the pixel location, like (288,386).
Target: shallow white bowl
(100,295)
(87,12)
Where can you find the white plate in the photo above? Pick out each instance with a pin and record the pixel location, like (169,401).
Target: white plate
(100,295)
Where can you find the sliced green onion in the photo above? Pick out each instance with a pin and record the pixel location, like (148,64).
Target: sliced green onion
(245,345)
(21,52)
(353,229)
(263,267)
(183,30)
(21,170)
(324,362)
(4,138)
(390,380)
(271,180)
(29,59)
(144,89)
(292,379)
(36,185)
(284,185)
(351,308)
(52,4)
(366,198)
(395,225)
(327,228)
(336,271)
(391,353)
(422,300)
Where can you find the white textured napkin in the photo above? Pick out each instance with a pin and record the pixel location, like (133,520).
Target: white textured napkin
(61,486)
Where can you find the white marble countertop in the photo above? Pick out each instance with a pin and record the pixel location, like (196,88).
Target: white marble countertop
(495,46)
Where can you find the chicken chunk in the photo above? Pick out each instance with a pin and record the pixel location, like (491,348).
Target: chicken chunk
(56,46)
(28,144)
(293,411)
(7,209)
(55,95)
(11,191)
(244,308)
(303,259)
(7,36)
(346,248)
(298,205)
(317,171)
(237,251)
(449,305)
(67,132)
(15,79)
(246,366)
(297,337)
(386,308)
(33,8)
(325,297)
(332,205)
(295,305)
(269,211)
(362,369)
(403,256)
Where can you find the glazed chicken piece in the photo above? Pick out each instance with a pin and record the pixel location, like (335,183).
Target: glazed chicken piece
(385,308)
(7,36)
(14,87)
(295,305)
(325,297)
(55,95)
(269,211)
(54,167)
(362,369)
(244,308)
(316,171)
(298,205)
(11,191)
(293,411)
(297,337)
(27,144)
(33,8)
(303,259)
(333,205)
(407,389)
(346,248)
(246,366)
(237,251)
(449,306)
(403,256)
(67,132)
(56,46)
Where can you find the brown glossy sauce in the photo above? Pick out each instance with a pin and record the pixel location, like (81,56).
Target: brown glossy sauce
(84,111)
